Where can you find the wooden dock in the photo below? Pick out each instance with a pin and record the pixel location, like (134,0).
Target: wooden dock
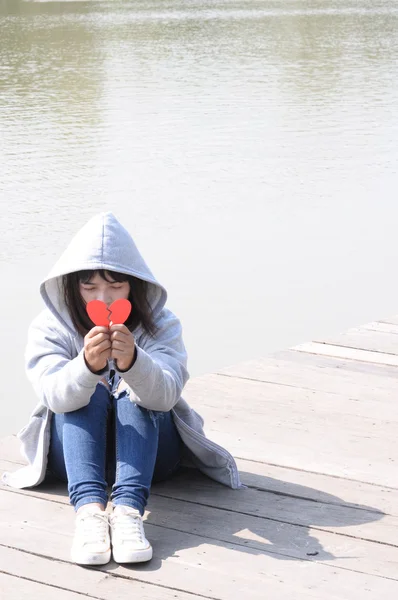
(315,433)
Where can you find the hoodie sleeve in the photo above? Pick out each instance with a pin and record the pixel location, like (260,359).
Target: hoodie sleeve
(62,383)
(159,372)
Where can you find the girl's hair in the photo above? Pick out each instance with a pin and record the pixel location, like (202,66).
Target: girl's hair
(141,313)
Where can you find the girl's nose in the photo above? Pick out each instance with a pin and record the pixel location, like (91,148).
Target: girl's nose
(104,298)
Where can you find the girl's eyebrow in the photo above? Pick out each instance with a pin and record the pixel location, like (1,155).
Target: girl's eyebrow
(95,284)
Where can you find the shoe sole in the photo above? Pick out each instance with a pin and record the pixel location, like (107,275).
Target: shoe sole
(92,559)
(133,557)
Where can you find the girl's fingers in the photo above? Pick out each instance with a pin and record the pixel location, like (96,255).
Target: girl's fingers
(120,335)
(96,330)
(122,345)
(117,353)
(120,328)
(99,339)
(105,345)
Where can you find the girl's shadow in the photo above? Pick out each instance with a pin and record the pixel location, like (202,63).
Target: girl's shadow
(190,509)
(288,525)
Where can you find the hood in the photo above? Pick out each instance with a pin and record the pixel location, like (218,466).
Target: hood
(103,243)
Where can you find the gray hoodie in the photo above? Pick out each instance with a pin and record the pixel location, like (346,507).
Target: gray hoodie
(58,373)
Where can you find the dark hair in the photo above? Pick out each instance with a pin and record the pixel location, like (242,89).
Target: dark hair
(141,313)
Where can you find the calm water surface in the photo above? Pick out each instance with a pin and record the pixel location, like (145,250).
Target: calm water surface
(250,147)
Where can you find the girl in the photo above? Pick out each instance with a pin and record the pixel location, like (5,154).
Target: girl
(110,410)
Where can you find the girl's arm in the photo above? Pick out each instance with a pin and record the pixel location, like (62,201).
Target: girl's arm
(62,383)
(159,372)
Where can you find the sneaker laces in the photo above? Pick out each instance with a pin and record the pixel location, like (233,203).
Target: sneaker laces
(128,526)
(94,527)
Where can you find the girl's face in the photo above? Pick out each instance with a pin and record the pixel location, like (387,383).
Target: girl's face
(106,291)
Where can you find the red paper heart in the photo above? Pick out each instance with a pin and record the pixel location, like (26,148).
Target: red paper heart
(100,315)
(120,310)
(98,312)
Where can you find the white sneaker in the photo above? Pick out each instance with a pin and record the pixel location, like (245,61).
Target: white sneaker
(129,544)
(91,543)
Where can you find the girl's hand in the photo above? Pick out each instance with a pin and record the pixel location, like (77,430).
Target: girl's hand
(123,346)
(97,348)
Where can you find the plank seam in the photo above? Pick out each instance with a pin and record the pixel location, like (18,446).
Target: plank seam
(290,385)
(378,331)
(234,543)
(115,575)
(384,487)
(50,585)
(276,465)
(347,345)
(252,487)
(317,501)
(239,512)
(13,462)
(282,493)
(295,387)
(312,527)
(386,364)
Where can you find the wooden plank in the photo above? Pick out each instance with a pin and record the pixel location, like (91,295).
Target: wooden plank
(382,327)
(362,339)
(16,588)
(7,465)
(365,523)
(210,567)
(301,506)
(341,446)
(334,377)
(290,482)
(358,368)
(214,391)
(321,447)
(10,450)
(305,430)
(328,513)
(326,414)
(314,431)
(215,516)
(313,486)
(393,320)
(56,575)
(340,351)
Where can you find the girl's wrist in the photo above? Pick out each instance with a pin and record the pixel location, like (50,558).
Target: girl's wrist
(131,363)
(100,372)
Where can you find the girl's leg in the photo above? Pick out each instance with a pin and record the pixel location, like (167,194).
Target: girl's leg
(148,448)
(78,449)
(168,458)
(138,441)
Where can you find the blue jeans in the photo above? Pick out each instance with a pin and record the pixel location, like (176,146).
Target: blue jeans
(113,438)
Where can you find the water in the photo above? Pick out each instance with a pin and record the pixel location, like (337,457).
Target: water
(250,148)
